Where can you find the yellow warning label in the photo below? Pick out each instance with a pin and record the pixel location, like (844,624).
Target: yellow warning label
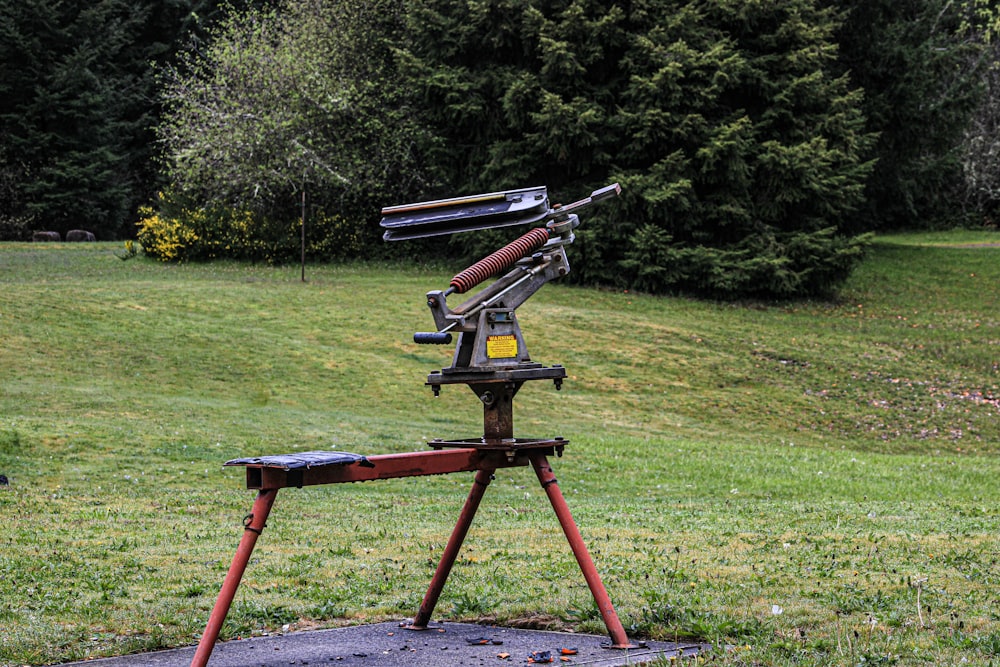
(501,347)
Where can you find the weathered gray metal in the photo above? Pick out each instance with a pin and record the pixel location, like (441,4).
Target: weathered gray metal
(463,214)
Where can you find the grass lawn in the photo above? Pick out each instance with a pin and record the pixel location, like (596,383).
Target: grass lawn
(812,483)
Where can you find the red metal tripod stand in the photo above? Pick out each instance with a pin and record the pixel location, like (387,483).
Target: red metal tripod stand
(485,456)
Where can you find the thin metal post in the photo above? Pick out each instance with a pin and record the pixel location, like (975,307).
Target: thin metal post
(423,617)
(254,525)
(548,481)
(303,232)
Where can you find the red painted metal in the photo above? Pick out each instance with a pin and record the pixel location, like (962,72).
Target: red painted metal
(499,261)
(254,526)
(547,479)
(423,617)
(384,466)
(485,461)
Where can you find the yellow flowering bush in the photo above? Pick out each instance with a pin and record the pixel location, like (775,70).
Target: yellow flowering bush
(164,237)
(173,231)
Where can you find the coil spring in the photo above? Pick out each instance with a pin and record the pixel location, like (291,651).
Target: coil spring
(499,261)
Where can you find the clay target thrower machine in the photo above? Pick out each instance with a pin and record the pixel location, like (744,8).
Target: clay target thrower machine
(491,356)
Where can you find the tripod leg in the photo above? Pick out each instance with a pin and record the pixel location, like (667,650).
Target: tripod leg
(423,617)
(254,525)
(548,481)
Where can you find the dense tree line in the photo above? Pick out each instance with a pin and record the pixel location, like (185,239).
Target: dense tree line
(741,152)
(78,103)
(756,142)
(922,65)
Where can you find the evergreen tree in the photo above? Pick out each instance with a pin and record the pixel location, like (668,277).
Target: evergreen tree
(77,104)
(921,74)
(163,30)
(981,147)
(62,110)
(741,155)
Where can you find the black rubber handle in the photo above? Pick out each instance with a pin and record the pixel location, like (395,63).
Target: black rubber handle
(431,338)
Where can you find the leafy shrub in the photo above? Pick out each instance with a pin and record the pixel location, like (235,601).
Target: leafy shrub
(15,228)
(164,237)
(177,231)
(182,231)
(293,97)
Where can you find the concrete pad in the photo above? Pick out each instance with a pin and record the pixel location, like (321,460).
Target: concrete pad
(388,645)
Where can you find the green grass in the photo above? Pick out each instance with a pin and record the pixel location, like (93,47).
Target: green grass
(836,461)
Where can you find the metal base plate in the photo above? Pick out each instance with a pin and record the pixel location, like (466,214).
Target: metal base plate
(506,444)
(520,373)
